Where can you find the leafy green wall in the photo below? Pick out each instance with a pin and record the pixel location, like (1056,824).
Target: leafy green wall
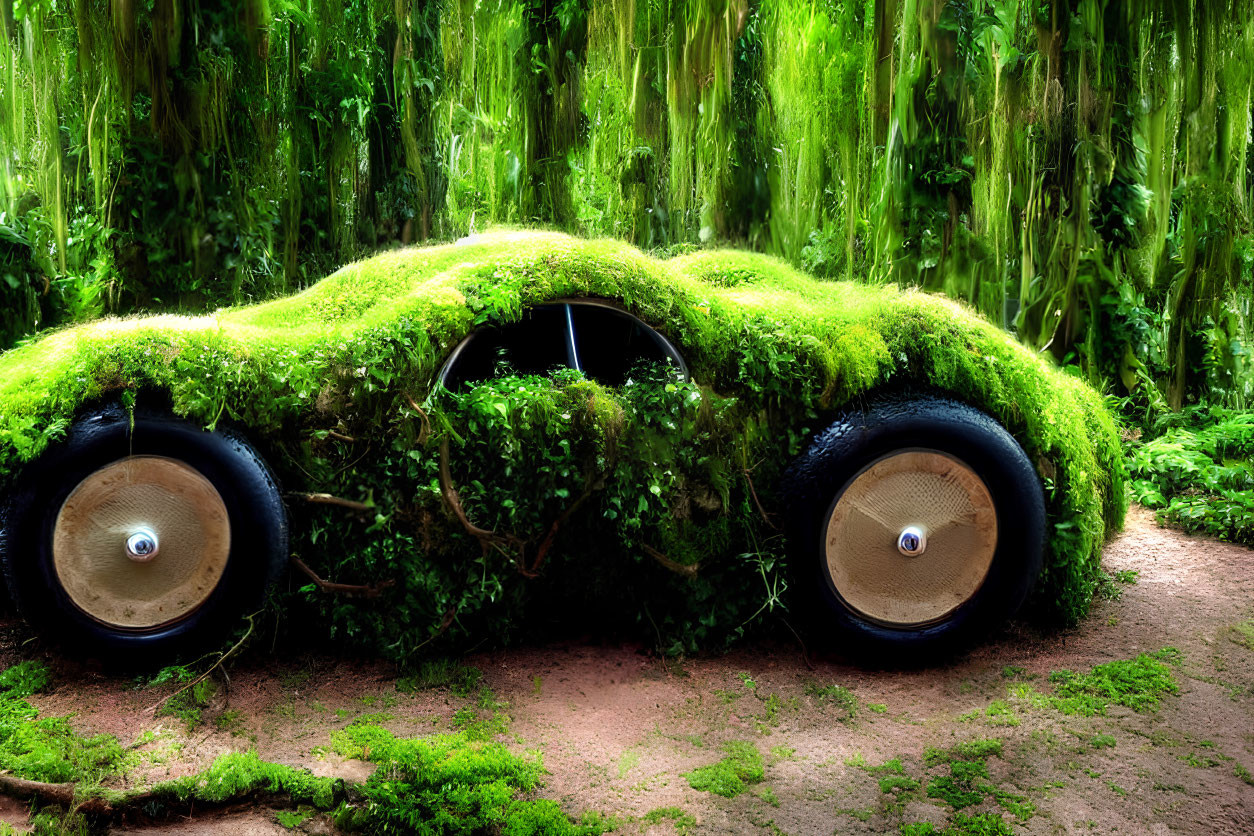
(1082,172)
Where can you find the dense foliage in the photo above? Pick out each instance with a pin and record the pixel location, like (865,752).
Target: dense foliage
(483,503)
(1200,475)
(1079,171)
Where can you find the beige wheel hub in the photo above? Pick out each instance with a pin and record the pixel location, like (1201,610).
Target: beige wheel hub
(141,542)
(911,538)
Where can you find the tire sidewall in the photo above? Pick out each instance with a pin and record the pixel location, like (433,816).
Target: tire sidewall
(258,548)
(857,440)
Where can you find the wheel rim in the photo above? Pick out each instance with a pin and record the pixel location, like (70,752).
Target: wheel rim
(911,538)
(141,542)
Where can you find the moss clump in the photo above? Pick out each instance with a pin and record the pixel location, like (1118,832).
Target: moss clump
(451,784)
(983,824)
(773,353)
(680,819)
(1138,683)
(733,774)
(443,784)
(47,748)
(967,781)
(842,700)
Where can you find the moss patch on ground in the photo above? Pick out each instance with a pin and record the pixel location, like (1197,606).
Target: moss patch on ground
(773,353)
(732,775)
(463,782)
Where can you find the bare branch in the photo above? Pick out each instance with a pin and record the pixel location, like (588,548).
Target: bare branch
(362,590)
(339,502)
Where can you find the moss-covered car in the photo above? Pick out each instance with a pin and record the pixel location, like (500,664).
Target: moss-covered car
(524,428)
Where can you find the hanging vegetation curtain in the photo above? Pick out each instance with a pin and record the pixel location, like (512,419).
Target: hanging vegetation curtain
(1081,172)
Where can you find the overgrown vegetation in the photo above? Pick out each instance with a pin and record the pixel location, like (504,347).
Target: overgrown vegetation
(474,497)
(1200,475)
(1077,171)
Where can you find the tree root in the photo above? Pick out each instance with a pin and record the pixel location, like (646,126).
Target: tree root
(349,589)
(62,794)
(339,502)
(687,570)
(146,806)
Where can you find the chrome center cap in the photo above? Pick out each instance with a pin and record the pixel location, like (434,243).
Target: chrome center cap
(912,541)
(142,546)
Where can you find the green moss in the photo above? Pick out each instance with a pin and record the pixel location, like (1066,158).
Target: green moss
(774,354)
(1138,683)
(291,819)
(47,748)
(730,776)
(967,781)
(983,824)
(895,783)
(681,820)
(458,783)
(841,699)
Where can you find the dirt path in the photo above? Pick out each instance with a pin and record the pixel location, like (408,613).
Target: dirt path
(618,728)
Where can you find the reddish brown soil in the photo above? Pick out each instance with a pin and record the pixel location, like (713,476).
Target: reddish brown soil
(618,727)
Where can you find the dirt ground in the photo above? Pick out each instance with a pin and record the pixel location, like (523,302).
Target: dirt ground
(618,727)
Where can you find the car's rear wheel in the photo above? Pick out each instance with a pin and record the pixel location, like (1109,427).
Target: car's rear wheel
(915,526)
(142,538)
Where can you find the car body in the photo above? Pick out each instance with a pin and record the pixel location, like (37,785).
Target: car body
(665,497)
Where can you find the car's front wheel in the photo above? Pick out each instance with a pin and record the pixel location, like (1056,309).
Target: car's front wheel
(138,536)
(915,526)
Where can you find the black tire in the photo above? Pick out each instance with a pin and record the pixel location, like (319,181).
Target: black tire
(860,439)
(256,548)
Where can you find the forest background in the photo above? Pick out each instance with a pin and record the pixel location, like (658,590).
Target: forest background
(1080,172)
